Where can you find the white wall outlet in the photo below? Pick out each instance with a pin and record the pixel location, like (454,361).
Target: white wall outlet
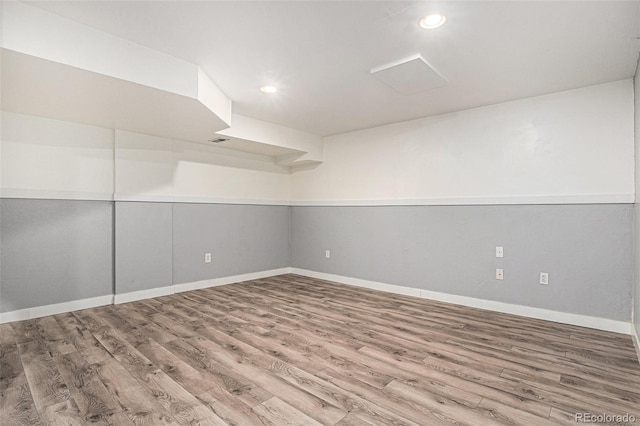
(499,274)
(499,251)
(544,278)
(327,254)
(207,258)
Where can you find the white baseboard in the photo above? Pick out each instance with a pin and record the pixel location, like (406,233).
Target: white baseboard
(635,336)
(526,311)
(57,308)
(508,308)
(75,305)
(142,294)
(214,282)
(179,288)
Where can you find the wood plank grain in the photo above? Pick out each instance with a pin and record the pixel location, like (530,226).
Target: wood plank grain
(137,402)
(299,350)
(16,402)
(217,374)
(229,408)
(46,384)
(279,412)
(94,402)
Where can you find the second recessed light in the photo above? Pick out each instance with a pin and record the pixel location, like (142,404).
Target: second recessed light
(268,89)
(432,21)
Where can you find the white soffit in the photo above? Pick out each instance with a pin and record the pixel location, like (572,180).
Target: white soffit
(409,75)
(250,146)
(40,87)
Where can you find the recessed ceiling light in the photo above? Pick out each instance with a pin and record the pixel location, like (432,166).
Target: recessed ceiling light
(432,21)
(268,89)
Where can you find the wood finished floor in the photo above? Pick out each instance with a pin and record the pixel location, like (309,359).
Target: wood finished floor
(295,350)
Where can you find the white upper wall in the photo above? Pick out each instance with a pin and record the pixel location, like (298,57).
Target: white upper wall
(41,156)
(153,168)
(573,146)
(46,158)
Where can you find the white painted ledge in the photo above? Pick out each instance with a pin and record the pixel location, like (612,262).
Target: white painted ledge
(472,201)
(508,308)
(48,194)
(57,308)
(451,201)
(197,200)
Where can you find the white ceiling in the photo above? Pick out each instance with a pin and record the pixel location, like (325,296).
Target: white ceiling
(319,53)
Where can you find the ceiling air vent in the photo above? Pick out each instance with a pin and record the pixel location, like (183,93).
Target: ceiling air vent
(218,140)
(410,75)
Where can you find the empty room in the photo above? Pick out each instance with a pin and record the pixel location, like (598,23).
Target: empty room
(319,213)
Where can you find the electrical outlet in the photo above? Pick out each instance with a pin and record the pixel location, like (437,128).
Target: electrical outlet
(499,274)
(544,278)
(499,251)
(327,254)
(207,258)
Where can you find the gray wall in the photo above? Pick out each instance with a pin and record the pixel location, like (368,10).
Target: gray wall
(144,246)
(586,249)
(54,251)
(160,244)
(240,238)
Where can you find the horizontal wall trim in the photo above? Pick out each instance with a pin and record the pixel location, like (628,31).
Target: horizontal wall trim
(468,201)
(508,308)
(445,201)
(196,200)
(179,288)
(57,308)
(47,194)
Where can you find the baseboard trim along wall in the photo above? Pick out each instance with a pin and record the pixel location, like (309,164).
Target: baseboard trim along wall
(179,288)
(525,311)
(635,336)
(54,309)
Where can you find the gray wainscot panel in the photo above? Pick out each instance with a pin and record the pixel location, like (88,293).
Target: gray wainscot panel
(240,238)
(586,249)
(144,246)
(54,251)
